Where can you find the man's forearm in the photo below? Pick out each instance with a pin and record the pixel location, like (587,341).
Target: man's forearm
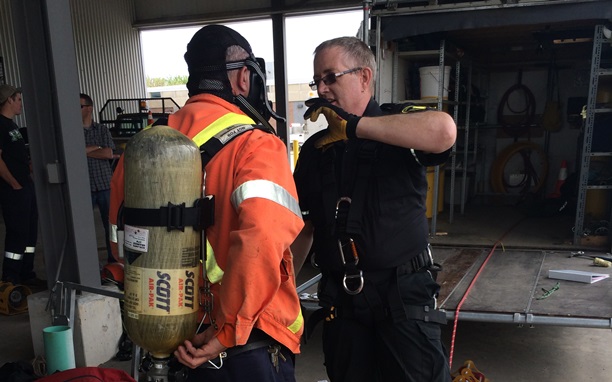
(429,131)
(99,152)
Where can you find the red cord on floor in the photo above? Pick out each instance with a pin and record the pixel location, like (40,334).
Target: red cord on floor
(467,292)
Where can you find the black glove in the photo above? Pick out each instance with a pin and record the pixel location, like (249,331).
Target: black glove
(342,125)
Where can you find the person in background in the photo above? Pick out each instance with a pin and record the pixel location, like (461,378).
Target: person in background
(99,148)
(254,326)
(362,188)
(17,195)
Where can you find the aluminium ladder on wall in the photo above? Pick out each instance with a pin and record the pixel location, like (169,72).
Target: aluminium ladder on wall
(592,111)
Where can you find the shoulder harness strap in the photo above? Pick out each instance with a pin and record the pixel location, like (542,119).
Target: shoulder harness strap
(201,215)
(358,166)
(213,145)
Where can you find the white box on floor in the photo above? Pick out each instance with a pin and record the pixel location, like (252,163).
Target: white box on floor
(97,326)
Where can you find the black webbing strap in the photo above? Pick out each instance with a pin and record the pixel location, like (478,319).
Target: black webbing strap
(173,216)
(312,321)
(397,309)
(357,164)
(374,301)
(330,295)
(161,121)
(329,187)
(201,215)
(366,156)
(212,146)
(425,313)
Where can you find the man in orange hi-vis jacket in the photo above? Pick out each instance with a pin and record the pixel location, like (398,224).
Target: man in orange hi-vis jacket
(256,323)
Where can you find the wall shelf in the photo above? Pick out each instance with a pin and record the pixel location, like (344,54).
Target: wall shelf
(594,110)
(402,88)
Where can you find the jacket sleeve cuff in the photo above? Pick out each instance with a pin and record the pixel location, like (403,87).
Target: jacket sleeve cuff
(230,335)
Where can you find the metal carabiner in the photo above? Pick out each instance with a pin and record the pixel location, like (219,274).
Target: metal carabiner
(353,249)
(350,277)
(340,200)
(220,365)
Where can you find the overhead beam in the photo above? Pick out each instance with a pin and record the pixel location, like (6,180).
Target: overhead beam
(161,13)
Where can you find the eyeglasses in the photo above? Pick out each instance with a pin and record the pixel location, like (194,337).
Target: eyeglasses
(82,106)
(330,78)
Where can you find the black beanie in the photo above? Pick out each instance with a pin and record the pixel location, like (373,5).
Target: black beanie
(205,58)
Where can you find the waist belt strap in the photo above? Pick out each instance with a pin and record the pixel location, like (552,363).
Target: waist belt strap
(258,339)
(234,351)
(425,313)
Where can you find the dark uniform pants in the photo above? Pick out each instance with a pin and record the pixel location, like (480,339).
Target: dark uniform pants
(102,200)
(21,220)
(250,366)
(362,344)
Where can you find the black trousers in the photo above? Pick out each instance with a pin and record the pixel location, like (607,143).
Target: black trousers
(20,215)
(362,343)
(250,366)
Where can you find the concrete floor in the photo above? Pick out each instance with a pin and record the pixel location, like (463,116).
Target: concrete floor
(503,352)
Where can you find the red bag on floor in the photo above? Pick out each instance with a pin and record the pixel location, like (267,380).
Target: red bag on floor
(89,374)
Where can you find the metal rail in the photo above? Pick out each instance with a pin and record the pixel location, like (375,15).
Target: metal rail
(532,319)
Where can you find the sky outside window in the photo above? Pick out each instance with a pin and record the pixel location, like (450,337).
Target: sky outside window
(163,49)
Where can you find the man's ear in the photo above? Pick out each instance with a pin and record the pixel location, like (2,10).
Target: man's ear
(242,81)
(366,77)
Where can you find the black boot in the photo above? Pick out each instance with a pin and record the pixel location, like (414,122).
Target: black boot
(27,268)
(11,271)
(28,276)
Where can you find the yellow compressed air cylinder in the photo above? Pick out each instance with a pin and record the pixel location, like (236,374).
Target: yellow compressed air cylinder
(161,266)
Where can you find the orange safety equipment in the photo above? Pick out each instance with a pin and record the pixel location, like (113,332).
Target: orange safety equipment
(256,218)
(113,273)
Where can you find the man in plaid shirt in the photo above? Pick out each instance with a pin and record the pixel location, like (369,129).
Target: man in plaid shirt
(99,147)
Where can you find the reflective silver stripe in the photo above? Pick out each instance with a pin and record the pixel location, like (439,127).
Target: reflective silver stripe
(113,233)
(227,134)
(267,190)
(13,256)
(414,154)
(30,249)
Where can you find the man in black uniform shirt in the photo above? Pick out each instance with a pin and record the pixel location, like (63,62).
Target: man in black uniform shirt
(362,187)
(17,196)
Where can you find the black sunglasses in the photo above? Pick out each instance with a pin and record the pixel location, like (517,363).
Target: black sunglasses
(330,78)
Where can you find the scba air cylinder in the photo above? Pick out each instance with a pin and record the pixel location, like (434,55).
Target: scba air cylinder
(162,168)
